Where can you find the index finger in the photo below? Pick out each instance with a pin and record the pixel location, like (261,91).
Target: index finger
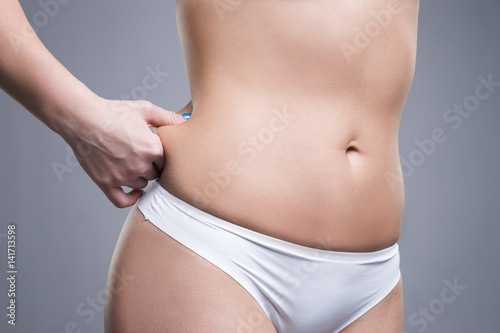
(119,197)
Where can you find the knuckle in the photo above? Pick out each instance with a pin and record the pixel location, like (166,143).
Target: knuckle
(120,179)
(102,179)
(156,151)
(110,180)
(142,168)
(145,105)
(153,146)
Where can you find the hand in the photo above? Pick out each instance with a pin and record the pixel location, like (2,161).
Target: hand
(115,146)
(111,139)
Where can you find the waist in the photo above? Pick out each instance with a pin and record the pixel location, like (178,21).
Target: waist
(316,177)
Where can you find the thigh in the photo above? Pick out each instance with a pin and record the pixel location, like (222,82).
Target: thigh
(385,317)
(155,284)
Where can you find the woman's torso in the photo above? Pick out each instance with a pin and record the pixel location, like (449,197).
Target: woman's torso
(296,107)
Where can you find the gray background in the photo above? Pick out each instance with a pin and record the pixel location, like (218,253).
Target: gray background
(67,230)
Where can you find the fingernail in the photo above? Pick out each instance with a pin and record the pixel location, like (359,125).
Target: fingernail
(186,115)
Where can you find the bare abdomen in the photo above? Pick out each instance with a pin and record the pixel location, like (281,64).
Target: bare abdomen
(289,173)
(289,137)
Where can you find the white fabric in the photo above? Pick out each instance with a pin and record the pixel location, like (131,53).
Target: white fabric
(301,289)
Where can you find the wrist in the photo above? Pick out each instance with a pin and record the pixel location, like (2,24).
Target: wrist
(70,115)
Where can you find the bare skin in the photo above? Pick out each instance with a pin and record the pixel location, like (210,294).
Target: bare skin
(293,135)
(111,139)
(170,289)
(314,137)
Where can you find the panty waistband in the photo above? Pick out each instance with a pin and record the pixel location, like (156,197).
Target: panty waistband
(166,200)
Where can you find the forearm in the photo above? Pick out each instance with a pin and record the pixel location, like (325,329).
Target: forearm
(111,139)
(32,76)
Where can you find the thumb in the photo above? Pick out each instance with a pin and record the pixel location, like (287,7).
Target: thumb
(156,116)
